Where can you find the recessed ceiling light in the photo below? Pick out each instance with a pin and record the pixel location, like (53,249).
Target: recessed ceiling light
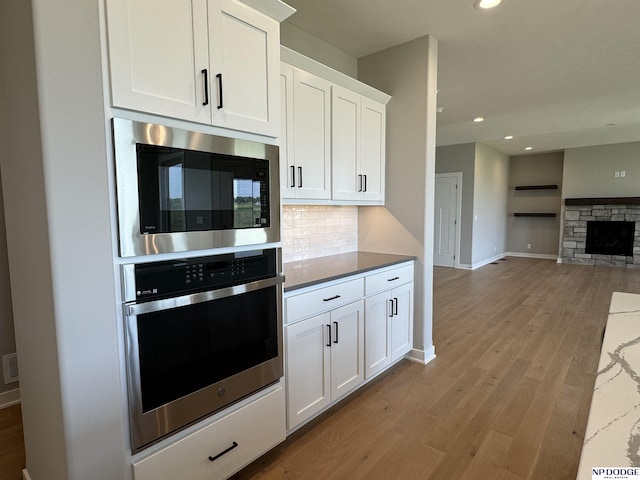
(528,148)
(509,137)
(484,4)
(478,119)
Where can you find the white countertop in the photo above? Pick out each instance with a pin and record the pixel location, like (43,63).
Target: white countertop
(612,437)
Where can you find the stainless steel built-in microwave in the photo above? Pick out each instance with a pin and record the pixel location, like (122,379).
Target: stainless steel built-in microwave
(179,190)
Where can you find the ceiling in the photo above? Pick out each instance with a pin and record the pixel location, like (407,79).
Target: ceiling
(554,74)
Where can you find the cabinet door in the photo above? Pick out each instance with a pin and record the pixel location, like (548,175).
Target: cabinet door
(311,132)
(347,181)
(152,71)
(402,321)
(377,334)
(308,360)
(188,458)
(372,158)
(244,45)
(347,354)
(286,132)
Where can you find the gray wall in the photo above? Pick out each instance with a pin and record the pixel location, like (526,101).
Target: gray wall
(406,72)
(541,233)
(7,335)
(461,158)
(489,204)
(589,171)
(319,50)
(55,172)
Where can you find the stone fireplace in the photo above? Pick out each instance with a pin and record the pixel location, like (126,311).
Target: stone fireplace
(579,212)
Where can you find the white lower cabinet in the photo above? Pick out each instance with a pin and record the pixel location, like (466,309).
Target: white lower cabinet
(325,360)
(338,335)
(223,447)
(388,318)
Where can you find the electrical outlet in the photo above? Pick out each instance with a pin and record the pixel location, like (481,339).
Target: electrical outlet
(616,174)
(528,246)
(623,173)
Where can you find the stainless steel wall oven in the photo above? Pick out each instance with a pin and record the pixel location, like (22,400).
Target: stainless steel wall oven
(201,333)
(179,190)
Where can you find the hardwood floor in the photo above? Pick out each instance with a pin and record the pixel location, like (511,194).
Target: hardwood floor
(12,459)
(507,397)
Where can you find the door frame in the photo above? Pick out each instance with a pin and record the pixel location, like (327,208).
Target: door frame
(458,219)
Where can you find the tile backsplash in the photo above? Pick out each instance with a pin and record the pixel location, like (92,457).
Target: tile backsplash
(310,231)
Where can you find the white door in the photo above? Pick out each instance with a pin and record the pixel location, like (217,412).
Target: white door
(155,72)
(377,335)
(401,326)
(347,349)
(373,141)
(446,218)
(244,47)
(311,136)
(345,143)
(308,358)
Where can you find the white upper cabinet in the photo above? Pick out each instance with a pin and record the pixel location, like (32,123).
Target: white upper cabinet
(346,123)
(358,147)
(336,135)
(207,61)
(305,155)
(245,60)
(157,51)
(372,151)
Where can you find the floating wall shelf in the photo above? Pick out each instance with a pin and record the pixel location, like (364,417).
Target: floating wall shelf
(534,214)
(536,187)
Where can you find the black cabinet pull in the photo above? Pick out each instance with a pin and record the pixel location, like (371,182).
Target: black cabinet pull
(329,341)
(336,324)
(219,77)
(364,189)
(205,73)
(395,299)
(331,298)
(390,308)
(300,177)
(393,279)
(293,176)
(233,445)
(359,183)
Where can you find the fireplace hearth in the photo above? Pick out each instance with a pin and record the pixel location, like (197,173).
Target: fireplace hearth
(602,234)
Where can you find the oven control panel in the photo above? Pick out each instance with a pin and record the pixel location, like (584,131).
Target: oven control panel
(175,277)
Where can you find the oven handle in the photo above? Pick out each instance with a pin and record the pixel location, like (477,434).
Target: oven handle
(194,298)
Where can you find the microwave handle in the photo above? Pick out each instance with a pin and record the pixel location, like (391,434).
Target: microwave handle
(134,309)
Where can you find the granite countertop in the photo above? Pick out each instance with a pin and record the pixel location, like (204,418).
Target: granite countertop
(612,438)
(305,273)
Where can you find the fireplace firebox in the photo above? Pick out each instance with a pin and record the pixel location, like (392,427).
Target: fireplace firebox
(610,237)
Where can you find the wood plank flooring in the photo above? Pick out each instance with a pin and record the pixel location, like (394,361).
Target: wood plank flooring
(12,459)
(507,397)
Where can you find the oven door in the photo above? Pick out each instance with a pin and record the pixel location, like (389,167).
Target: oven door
(190,356)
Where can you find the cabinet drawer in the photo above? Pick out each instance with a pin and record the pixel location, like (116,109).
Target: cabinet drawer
(189,457)
(323,299)
(388,279)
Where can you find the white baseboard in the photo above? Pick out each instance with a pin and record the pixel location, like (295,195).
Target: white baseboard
(488,261)
(12,397)
(464,266)
(422,356)
(25,475)
(533,255)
